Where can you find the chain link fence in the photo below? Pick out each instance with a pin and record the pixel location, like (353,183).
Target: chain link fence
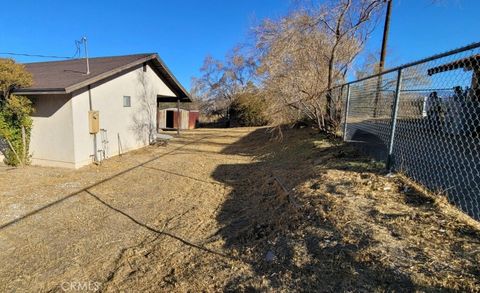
(423,119)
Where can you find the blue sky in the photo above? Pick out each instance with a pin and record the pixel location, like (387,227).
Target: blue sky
(184,32)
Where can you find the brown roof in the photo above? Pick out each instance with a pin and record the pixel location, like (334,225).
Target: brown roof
(57,77)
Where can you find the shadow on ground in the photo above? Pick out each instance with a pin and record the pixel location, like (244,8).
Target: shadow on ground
(285,217)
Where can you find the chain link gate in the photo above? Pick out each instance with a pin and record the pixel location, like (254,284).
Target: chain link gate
(423,120)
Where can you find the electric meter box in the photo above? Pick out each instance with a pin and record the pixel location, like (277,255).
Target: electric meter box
(94,121)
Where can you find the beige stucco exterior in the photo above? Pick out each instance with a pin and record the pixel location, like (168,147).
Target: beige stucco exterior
(51,142)
(60,135)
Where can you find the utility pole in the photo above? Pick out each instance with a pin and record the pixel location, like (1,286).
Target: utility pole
(84,40)
(383,54)
(386,30)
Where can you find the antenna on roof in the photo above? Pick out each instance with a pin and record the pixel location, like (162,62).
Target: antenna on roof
(84,41)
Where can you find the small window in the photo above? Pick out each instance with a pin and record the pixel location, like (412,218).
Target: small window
(126,101)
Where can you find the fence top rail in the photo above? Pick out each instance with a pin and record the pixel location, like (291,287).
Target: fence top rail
(411,64)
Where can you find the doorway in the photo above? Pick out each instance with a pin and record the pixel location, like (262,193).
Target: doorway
(170,119)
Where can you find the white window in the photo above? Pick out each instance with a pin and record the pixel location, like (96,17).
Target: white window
(127,101)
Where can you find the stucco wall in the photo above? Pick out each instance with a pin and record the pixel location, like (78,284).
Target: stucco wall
(51,142)
(127,128)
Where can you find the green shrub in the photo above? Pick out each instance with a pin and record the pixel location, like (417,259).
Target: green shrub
(15,121)
(248,110)
(14,116)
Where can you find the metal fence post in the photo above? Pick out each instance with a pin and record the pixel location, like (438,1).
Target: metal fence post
(347,102)
(394,119)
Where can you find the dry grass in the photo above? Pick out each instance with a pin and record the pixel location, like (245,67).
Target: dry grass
(231,210)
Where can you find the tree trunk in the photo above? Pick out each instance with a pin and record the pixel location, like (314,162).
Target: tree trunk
(320,118)
(14,152)
(329,100)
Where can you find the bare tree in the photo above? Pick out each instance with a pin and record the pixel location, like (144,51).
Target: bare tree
(292,68)
(345,21)
(221,82)
(298,60)
(306,53)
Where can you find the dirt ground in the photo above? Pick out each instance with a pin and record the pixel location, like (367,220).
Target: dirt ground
(231,210)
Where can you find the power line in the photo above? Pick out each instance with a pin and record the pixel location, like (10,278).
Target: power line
(34,55)
(78,52)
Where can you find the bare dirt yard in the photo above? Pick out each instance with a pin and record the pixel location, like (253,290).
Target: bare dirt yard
(231,210)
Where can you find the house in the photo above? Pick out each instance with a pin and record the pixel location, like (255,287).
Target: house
(471,63)
(81,118)
(462,107)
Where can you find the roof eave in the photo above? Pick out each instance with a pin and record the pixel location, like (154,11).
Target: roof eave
(185,93)
(29,92)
